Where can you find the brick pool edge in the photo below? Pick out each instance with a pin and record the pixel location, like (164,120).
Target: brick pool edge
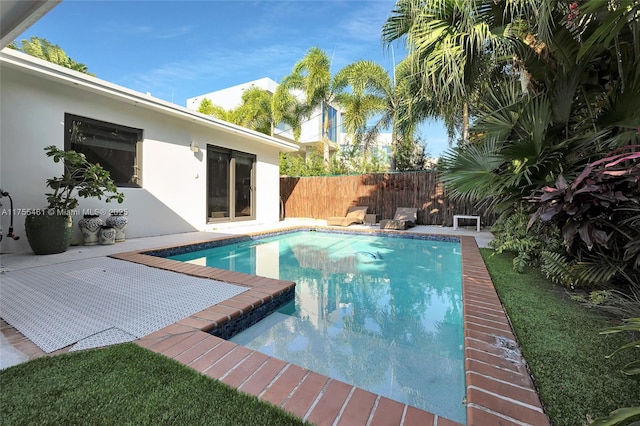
(499,389)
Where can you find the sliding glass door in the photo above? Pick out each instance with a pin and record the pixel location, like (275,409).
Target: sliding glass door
(230,185)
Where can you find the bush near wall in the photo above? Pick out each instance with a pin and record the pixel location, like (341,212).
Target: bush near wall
(320,197)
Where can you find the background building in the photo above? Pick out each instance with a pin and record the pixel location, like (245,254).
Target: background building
(311,135)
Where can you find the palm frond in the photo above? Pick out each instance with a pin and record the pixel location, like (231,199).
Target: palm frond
(469,172)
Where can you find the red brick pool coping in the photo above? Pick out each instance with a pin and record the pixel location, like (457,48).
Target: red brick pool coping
(500,390)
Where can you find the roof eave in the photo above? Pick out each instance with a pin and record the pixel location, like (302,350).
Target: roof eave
(18,15)
(47,70)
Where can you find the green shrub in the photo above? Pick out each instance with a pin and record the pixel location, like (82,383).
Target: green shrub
(598,215)
(511,235)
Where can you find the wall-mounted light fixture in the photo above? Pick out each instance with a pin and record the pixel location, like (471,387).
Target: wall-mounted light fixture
(194,147)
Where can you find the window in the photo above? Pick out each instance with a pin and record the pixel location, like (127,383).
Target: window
(230,184)
(284,127)
(116,148)
(333,125)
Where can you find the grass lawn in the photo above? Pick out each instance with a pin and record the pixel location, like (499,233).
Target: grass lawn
(560,341)
(124,384)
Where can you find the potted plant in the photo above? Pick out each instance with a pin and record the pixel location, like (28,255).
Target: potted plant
(49,230)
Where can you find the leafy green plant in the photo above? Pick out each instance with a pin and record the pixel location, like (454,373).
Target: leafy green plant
(591,271)
(617,303)
(599,215)
(80,178)
(632,368)
(348,161)
(298,165)
(511,234)
(44,49)
(558,269)
(351,159)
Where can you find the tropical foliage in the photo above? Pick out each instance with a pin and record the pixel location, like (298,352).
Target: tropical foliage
(370,99)
(374,95)
(564,102)
(599,218)
(452,46)
(549,87)
(511,234)
(348,161)
(254,111)
(410,154)
(300,165)
(311,77)
(43,49)
(80,178)
(626,414)
(551,92)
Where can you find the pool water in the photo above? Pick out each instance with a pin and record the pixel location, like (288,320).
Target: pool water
(380,313)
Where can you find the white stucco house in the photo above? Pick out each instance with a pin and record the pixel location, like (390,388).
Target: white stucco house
(180,170)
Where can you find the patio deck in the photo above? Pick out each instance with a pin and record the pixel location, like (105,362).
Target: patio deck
(499,388)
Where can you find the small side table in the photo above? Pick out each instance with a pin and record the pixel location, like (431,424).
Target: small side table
(370,219)
(460,216)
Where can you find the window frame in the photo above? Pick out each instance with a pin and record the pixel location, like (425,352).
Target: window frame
(231,181)
(136,133)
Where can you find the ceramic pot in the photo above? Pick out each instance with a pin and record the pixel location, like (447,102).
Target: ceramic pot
(107,235)
(119,222)
(90,226)
(48,233)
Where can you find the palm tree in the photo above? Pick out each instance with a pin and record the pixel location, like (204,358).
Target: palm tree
(255,110)
(289,110)
(368,83)
(209,108)
(261,111)
(451,44)
(43,49)
(311,76)
(583,102)
(374,94)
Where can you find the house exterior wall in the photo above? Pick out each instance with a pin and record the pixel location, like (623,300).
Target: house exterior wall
(173,194)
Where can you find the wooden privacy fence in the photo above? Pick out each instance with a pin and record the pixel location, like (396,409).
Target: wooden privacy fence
(320,197)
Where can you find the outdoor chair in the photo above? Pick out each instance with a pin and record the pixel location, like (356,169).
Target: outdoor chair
(405,218)
(355,215)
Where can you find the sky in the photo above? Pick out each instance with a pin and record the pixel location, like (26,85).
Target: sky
(176,49)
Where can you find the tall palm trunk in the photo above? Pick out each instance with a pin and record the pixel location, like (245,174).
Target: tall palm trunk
(465,123)
(393,161)
(325,136)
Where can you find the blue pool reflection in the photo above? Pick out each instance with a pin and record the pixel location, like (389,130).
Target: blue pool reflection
(383,314)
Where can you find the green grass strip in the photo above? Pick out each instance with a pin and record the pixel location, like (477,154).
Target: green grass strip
(125,384)
(560,340)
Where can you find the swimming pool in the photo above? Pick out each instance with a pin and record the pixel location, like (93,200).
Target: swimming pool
(380,313)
